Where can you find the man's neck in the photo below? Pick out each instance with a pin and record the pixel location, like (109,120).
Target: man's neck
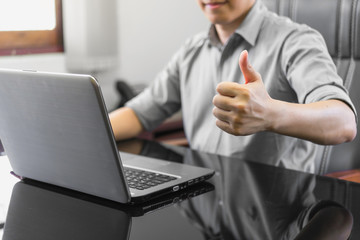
(225,30)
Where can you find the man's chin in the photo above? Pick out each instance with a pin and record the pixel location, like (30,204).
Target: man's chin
(216,20)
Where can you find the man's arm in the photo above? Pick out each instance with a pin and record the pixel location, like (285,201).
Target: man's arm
(243,109)
(328,122)
(125,123)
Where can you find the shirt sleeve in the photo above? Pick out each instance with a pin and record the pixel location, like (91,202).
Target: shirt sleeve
(310,69)
(161,99)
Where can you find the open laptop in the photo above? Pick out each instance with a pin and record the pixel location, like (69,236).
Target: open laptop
(55,129)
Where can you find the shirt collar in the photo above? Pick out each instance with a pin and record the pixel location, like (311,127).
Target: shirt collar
(249,29)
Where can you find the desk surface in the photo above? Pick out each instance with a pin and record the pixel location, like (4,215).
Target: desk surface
(244,200)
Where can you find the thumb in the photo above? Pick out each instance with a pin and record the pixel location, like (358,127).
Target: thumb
(250,75)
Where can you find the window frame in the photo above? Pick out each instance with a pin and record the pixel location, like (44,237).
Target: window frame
(33,42)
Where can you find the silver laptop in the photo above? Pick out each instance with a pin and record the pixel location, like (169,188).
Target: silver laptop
(55,129)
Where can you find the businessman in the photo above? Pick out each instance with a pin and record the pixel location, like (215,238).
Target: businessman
(256,86)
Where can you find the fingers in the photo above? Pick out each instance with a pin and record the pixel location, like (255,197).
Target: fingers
(229,89)
(230,95)
(225,122)
(222,102)
(223,119)
(227,115)
(239,107)
(250,75)
(221,115)
(225,126)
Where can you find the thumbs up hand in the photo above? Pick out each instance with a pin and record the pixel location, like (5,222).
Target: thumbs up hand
(243,109)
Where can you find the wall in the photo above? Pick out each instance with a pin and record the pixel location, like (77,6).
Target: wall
(151,31)
(42,62)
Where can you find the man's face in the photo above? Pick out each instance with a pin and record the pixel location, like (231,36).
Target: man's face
(225,11)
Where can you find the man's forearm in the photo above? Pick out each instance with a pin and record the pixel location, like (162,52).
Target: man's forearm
(125,123)
(327,122)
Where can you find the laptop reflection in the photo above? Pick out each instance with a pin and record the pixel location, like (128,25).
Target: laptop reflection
(40,211)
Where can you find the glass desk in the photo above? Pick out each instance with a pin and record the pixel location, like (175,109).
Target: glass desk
(244,200)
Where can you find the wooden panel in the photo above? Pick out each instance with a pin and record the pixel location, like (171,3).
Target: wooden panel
(25,42)
(350,175)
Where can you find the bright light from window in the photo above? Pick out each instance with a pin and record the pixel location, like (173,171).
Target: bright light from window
(27,15)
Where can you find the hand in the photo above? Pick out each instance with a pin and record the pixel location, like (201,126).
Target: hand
(243,109)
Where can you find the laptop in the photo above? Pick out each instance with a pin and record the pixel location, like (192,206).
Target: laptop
(54,128)
(43,211)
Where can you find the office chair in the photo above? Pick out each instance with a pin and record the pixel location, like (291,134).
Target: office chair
(339,23)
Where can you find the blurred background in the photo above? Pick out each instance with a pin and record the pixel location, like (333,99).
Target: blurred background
(110,39)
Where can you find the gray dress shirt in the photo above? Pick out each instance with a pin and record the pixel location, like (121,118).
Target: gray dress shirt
(295,67)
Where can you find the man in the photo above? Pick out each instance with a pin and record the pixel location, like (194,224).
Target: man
(269,111)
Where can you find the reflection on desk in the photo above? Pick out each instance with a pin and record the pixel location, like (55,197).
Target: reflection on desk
(41,211)
(250,201)
(256,201)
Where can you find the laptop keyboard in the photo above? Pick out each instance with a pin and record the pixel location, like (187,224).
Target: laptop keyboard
(140,179)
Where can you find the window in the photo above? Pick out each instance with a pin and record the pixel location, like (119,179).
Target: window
(30,26)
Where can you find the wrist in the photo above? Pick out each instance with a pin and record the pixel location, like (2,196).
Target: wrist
(276,113)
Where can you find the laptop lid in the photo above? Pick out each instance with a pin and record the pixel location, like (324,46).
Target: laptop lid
(56,130)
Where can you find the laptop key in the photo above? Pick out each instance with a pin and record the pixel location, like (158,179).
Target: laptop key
(141,180)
